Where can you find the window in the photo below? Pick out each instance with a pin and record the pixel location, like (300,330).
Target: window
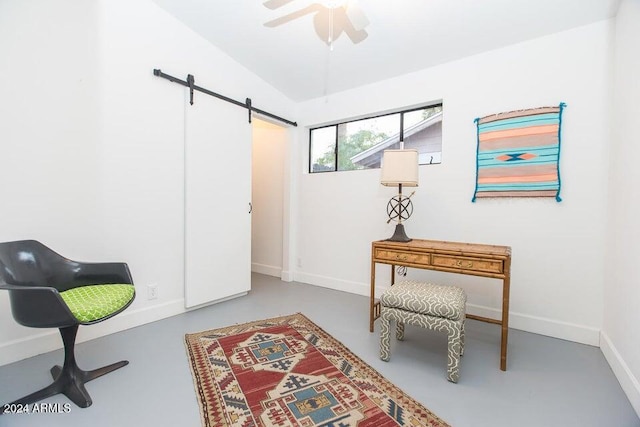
(359,144)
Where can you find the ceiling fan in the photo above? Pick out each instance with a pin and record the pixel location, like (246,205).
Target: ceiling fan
(331,18)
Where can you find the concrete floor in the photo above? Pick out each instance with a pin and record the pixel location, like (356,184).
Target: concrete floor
(549,382)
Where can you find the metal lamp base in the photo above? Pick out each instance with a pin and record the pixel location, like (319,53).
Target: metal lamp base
(399,235)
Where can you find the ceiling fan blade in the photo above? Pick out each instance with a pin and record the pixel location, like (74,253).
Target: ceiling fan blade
(356,16)
(295,15)
(274,4)
(356,36)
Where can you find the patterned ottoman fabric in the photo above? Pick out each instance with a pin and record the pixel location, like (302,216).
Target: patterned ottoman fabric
(93,302)
(426,298)
(434,307)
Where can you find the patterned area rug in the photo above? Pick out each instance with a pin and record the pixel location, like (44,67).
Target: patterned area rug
(287,371)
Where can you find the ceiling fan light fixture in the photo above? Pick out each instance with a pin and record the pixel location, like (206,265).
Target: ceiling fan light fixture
(331,18)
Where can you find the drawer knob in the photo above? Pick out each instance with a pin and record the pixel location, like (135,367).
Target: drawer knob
(466,264)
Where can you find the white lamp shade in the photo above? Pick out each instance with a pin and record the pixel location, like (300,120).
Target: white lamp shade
(400,167)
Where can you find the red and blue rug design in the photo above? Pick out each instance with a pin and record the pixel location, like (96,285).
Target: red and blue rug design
(287,371)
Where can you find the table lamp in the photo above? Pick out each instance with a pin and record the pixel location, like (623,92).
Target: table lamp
(399,167)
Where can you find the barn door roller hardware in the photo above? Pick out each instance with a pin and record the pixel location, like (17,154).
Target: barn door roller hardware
(190,83)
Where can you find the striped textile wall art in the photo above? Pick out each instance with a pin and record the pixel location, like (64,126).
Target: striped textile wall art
(518,153)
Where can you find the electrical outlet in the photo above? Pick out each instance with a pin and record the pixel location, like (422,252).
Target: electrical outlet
(152,291)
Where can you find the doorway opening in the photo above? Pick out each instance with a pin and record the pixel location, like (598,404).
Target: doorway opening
(268,157)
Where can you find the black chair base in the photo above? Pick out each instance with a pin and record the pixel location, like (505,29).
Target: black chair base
(70,379)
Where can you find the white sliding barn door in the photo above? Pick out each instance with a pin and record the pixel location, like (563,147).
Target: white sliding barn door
(217,197)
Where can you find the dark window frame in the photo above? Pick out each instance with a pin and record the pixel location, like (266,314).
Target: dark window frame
(374,116)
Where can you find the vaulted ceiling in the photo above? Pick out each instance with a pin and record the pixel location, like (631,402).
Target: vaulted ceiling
(402,35)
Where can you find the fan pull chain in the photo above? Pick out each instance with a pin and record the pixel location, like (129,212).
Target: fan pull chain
(331,30)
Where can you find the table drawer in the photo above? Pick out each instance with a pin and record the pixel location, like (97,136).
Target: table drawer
(402,257)
(466,263)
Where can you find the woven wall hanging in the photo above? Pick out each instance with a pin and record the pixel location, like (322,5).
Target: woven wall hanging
(518,154)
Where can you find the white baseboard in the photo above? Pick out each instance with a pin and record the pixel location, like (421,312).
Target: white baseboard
(524,322)
(33,345)
(286,276)
(269,270)
(542,326)
(335,284)
(21,348)
(629,383)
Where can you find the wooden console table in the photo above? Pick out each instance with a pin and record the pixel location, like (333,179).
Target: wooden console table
(462,258)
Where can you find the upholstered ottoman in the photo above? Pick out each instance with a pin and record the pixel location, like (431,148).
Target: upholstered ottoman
(435,307)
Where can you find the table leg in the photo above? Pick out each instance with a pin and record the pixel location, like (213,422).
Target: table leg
(372,296)
(393,274)
(506,284)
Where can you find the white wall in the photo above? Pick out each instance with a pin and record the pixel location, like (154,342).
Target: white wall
(267,187)
(557,247)
(94,142)
(621,335)
(50,97)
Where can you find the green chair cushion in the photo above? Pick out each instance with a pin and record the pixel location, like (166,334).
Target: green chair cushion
(94,302)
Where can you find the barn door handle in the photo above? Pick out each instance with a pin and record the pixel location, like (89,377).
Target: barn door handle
(250,207)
